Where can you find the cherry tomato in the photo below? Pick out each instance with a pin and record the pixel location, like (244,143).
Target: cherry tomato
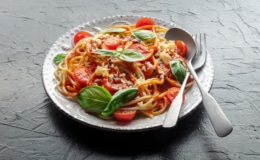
(124,115)
(141,48)
(80,35)
(172,93)
(148,69)
(82,75)
(111,86)
(145,21)
(112,43)
(182,47)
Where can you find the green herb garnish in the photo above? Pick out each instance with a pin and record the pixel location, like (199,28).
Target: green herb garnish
(143,35)
(59,58)
(178,70)
(129,55)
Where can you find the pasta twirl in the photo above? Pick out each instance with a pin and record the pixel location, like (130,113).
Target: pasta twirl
(121,57)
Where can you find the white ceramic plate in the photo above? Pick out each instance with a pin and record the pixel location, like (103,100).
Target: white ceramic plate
(193,97)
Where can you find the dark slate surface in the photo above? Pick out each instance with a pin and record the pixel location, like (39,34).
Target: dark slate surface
(31,127)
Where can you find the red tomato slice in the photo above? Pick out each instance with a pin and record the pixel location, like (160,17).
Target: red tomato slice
(182,47)
(148,69)
(141,48)
(145,21)
(124,115)
(172,93)
(112,43)
(82,75)
(113,86)
(80,35)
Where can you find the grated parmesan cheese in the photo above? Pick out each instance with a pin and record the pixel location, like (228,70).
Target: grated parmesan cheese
(165,57)
(101,71)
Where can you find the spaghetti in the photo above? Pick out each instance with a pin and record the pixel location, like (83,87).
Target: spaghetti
(151,75)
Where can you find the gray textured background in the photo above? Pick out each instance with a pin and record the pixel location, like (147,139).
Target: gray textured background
(31,127)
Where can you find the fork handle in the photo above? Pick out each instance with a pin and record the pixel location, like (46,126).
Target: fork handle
(218,119)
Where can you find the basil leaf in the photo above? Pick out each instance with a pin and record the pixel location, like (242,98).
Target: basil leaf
(106,52)
(178,70)
(114,30)
(59,58)
(119,98)
(94,98)
(131,55)
(143,35)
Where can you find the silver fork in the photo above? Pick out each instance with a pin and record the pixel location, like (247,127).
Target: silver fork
(200,57)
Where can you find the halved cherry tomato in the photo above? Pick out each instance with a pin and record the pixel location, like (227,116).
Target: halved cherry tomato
(145,21)
(112,43)
(82,75)
(112,86)
(80,35)
(148,69)
(124,115)
(172,93)
(182,47)
(141,48)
